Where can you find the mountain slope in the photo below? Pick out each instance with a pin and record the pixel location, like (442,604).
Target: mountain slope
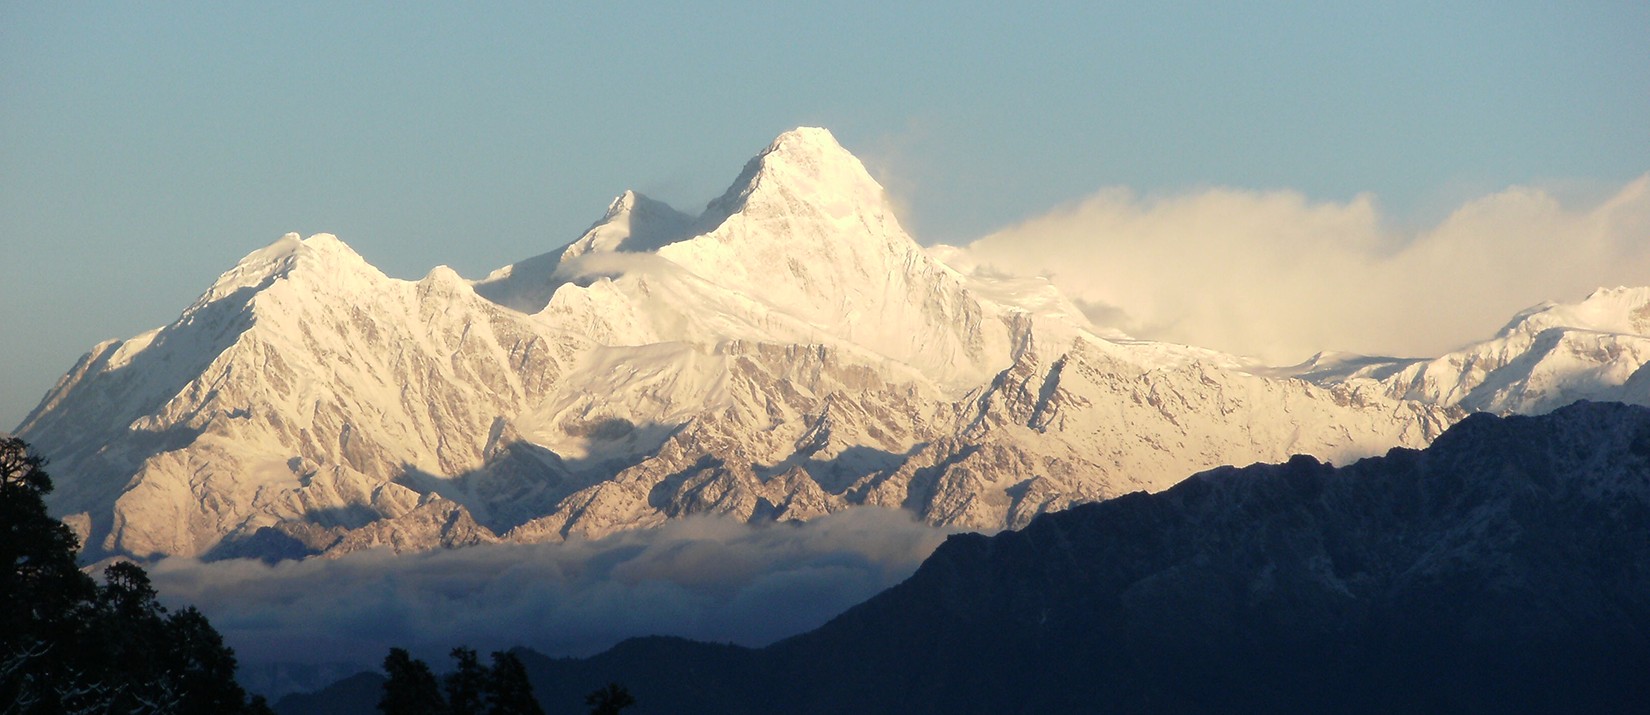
(290,391)
(788,352)
(1506,568)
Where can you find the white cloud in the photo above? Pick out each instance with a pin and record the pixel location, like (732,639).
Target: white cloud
(1278,277)
(702,578)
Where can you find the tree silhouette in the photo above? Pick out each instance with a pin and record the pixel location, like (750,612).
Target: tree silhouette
(609,700)
(410,688)
(472,689)
(204,668)
(46,596)
(68,645)
(508,692)
(466,683)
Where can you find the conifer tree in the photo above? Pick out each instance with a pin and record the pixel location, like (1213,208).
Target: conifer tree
(69,645)
(508,692)
(410,688)
(466,683)
(609,700)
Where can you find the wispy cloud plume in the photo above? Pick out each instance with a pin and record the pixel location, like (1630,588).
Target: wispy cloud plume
(702,578)
(1276,276)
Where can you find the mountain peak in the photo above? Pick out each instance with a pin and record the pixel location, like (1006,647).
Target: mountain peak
(1609,310)
(623,203)
(633,223)
(804,166)
(806,142)
(809,135)
(279,259)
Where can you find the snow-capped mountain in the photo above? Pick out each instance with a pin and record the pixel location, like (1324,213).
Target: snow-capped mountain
(788,352)
(1546,357)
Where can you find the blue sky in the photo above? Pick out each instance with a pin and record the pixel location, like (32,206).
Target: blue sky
(145,148)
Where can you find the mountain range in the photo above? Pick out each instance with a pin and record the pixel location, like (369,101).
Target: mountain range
(788,352)
(1504,568)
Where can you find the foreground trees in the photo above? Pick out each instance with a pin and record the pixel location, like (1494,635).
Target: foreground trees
(609,700)
(410,688)
(71,645)
(472,689)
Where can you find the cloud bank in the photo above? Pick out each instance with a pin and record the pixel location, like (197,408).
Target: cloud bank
(1278,277)
(702,578)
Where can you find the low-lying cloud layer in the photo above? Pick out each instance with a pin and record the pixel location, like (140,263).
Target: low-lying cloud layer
(1278,277)
(702,578)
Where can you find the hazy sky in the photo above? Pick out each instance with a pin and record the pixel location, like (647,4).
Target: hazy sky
(145,148)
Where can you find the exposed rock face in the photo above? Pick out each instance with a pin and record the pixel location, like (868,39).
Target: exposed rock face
(789,352)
